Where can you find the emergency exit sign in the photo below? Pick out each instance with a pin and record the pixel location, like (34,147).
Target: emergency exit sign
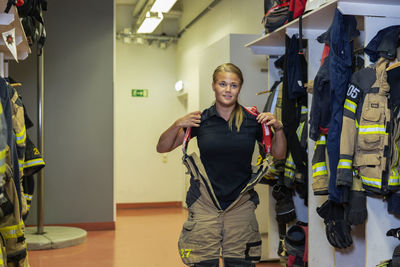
(140,93)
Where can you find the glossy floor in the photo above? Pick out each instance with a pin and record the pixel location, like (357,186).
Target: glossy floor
(143,238)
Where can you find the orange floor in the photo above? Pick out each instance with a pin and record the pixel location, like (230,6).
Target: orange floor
(143,238)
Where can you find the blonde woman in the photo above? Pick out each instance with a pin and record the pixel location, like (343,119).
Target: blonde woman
(221,203)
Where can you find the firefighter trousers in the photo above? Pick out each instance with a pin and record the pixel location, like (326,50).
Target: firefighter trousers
(210,232)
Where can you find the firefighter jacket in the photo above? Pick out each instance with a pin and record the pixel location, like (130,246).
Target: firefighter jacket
(320,168)
(18,123)
(366,144)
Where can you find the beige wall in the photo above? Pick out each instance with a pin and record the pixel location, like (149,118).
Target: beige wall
(140,173)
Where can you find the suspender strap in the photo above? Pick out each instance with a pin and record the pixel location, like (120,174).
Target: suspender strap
(266,143)
(186,139)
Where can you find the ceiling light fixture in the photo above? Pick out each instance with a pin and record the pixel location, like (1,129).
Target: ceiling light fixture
(162,6)
(150,22)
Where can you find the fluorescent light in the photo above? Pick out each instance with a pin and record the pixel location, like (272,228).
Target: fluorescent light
(150,22)
(162,5)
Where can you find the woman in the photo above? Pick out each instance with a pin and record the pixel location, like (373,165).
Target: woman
(220,200)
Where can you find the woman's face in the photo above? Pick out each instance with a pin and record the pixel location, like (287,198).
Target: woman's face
(226,88)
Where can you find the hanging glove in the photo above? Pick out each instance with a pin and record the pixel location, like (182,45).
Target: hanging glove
(357,207)
(284,207)
(395,232)
(336,227)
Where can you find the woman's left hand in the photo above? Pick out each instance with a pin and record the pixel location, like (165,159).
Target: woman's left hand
(269,119)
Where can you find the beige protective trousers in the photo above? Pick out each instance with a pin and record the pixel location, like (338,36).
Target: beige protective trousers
(210,231)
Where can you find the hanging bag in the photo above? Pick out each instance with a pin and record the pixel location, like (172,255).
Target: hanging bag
(276,16)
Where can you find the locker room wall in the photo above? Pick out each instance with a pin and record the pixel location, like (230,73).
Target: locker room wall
(78,115)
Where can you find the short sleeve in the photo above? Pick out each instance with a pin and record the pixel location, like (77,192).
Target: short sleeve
(193,131)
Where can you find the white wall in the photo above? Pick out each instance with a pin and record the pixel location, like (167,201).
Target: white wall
(140,173)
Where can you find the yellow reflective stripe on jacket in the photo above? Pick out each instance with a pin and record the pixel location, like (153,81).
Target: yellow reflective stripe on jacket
(3,161)
(372,129)
(394,178)
(350,105)
(345,164)
(289,173)
(321,140)
(374,182)
(33,162)
(21,136)
(28,197)
(21,164)
(13,231)
(300,129)
(304,110)
(319,169)
(290,164)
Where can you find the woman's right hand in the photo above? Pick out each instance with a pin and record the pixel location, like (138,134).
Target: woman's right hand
(192,119)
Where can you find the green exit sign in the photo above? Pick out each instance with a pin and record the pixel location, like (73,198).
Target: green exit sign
(140,93)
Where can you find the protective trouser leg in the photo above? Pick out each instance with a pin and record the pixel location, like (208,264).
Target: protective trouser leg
(237,263)
(241,244)
(208,263)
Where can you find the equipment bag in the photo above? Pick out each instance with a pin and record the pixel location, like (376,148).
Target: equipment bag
(296,8)
(276,16)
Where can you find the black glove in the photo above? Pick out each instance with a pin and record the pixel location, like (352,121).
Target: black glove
(337,228)
(395,232)
(284,207)
(357,208)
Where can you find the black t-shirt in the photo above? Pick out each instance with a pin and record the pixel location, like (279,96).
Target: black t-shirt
(225,154)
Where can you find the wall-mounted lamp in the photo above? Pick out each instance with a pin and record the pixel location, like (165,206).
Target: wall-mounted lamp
(179,86)
(162,6)
(150,22)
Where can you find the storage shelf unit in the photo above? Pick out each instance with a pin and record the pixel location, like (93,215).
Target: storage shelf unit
(313,23)
(370,243)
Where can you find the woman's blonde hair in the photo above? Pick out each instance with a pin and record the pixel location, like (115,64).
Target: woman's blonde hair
(237,113)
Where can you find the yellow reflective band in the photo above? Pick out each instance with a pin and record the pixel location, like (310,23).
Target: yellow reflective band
(13,231)
(394,179)
(319,169)
(300,129)
(289,174)
(357,125)
(33,162)
(304,110)
(374,182)
(372,129)
(290,164)
(27,196)
(21,136)
(1,108)
(345,164)
(21,164)
(321,140)
(350,105)
(319,164)
(3,154)
(320,173)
